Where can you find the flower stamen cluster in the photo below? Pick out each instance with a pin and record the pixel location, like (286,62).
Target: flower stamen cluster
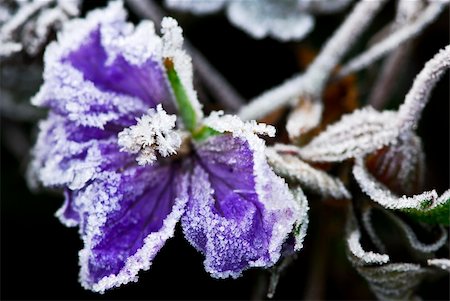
(153,132)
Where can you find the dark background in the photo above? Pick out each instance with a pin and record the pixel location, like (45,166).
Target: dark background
(39,256)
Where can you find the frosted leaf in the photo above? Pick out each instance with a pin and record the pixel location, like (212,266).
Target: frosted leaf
(356,134)
(301,225)
(306,116)
(413,240)
(438,213)
(153,132)
(380,194)
(395,281)
(196,6)
(279,19)
(388,281)
(232,123)
(441,263)
(293,169)
(366,219)
(361,256)
(427,205)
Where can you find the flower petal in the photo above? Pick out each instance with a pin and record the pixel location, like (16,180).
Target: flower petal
(103,69)
(129,216)
(239,212)
(71,155)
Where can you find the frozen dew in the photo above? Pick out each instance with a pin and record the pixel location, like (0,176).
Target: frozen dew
(153,132)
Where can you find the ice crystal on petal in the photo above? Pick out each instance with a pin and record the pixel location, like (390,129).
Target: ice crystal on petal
(153,132)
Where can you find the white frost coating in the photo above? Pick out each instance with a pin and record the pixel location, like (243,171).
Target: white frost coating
(153,132)
(382,195)
(301,225)
(304,117)
(356,134)
(142,259)
(442,263)
(232,123)
(198,7)
(172,37)
(354,245)
(279,19)
(289,166)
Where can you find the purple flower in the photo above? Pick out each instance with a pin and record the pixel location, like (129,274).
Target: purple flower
(131,171)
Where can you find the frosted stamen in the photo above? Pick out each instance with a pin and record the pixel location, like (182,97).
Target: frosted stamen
(153,132)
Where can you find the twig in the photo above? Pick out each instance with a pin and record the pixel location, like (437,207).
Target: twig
(417,97)
(313,81)
(217,85)
(382,89)
(393,41)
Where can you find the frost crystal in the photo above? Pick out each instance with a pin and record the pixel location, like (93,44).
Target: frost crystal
(153,132)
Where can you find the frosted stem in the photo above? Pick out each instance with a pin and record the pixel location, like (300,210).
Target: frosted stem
(393,41)
(22,16)
(313,81)
(417,97)
(217,85)
(384,85)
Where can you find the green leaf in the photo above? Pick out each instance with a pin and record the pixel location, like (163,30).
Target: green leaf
(439,214)
(185,107)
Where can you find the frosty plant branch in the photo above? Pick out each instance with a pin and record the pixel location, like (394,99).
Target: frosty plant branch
(314,79)
(416,99)
(217,85)
(393,41)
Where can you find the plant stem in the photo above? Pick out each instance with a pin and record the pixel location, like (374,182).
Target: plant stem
(314,79)
(393,41)
(417,97)
(217,85)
